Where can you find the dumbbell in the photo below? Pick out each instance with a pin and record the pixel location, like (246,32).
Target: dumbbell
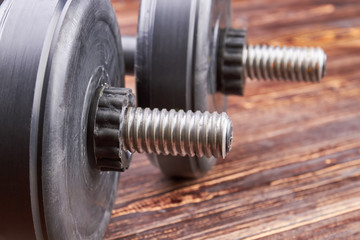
(68,125)
(187,52)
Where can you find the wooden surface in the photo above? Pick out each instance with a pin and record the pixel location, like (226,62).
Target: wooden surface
(294,171)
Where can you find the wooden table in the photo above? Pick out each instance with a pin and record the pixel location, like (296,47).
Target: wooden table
(294,171)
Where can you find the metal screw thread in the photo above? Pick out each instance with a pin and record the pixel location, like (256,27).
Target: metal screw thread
(176,133)
(284,63)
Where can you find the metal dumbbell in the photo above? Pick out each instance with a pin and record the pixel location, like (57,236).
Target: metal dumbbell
(188,53)
(67,123)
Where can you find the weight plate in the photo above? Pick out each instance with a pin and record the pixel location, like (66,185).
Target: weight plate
(54,54)
(23,31)
(175,65)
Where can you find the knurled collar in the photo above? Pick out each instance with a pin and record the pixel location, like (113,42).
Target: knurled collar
(230,74)
(109,108)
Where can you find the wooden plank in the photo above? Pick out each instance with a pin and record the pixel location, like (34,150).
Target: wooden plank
(294,171)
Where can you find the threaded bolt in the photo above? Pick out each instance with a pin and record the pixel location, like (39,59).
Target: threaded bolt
(238,61)
(284,63)
(176,133)
(120,129)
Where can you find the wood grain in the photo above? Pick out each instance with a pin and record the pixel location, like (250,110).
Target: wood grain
(294,171)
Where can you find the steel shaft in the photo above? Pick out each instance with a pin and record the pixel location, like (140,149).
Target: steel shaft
(284,63)
(176,133)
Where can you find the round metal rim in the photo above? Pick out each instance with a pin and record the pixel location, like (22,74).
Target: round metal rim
(23,24)
(85,54)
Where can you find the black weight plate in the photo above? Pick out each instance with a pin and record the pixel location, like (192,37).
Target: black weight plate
(23,35)
(86,54)
(175,65)
(54,55)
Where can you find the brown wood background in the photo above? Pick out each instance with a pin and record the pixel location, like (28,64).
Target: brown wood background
(294,171)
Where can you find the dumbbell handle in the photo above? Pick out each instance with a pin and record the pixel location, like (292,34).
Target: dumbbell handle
(120,128)
(129,48)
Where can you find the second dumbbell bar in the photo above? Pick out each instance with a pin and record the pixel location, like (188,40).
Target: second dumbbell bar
(238,61)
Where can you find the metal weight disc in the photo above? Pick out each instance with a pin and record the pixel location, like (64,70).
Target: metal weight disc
(175,65)
(54,54)
(23,31)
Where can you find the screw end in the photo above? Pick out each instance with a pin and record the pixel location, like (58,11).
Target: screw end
(177,133)
(300,64)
